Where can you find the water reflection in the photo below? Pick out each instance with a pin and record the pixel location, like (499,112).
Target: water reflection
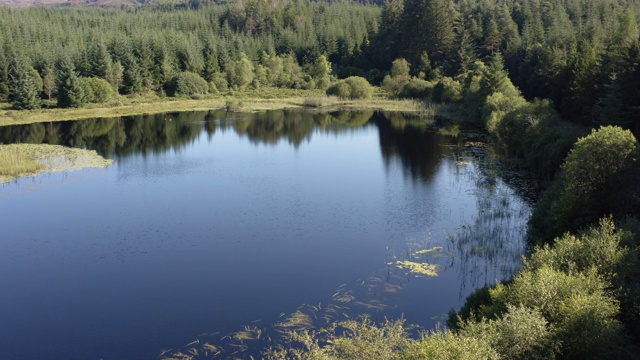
(144,134)
(408,140)
(314,222)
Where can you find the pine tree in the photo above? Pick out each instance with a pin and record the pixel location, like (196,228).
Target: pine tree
(99,60)
(24,93)
(611,108)
(114,77)
(4,77)
(131,76)
(70,90)
(465,54)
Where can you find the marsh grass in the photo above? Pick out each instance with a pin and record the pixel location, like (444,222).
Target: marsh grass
(19,160)
(15,163)
(251,100)
(321,101)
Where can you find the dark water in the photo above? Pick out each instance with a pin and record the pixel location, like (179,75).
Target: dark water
(209,224)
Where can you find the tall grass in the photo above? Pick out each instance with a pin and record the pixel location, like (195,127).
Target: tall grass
(17,160)
(14,163)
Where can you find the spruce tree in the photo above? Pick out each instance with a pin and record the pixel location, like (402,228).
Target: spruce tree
(70,90)
(24,93)
(99,60)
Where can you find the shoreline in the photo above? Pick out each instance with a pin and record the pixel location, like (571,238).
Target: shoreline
(305,99)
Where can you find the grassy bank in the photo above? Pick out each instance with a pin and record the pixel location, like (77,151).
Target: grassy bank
(18,160)
(254,100)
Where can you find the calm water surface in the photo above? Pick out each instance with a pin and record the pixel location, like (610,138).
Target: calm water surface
(208,224)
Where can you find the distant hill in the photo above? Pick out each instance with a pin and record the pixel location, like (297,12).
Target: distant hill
(79,3)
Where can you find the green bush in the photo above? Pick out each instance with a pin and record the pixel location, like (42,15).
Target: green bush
(354,87)
(447,90)
(588,327)
(597,179)
(598,248)
(448,345)
(360,87)
(416,88)
(399,77)
(577,304)
(98,90)
(219,82)
(496,106)
(186,84)
(546,289)
(340,89)
(522,333)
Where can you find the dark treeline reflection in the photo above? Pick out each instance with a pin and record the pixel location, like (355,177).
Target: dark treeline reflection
(408,139)
(401,136)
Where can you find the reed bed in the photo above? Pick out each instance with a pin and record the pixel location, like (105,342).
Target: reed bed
(19,160)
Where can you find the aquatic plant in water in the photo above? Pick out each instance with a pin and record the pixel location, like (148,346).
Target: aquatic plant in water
(19,160)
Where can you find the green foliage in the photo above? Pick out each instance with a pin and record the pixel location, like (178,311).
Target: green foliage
(340,89)
(565,302)
(320,72)
(445,345)
(447,90)
(399,77)
(25,85)
(522,333)
(70,90)
(416,89)
(49,83)
(240,73)
(219,82)
(532,135)
(497,105)
(97,90)
(599,248)
(346,340)
(547,289)
(187,83)
(353,87)
(596,180)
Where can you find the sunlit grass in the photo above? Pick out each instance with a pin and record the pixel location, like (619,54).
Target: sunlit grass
(14,163)
(251,100)
(18,160)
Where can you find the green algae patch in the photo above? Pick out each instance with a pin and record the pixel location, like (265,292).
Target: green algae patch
(434,249)
(418,268)
(19,160)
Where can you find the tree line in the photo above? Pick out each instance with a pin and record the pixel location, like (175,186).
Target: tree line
(582,55)
(78,56)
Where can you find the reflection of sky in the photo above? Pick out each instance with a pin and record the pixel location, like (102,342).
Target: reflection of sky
(160,248)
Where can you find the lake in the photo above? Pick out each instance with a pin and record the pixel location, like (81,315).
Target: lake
(227,229)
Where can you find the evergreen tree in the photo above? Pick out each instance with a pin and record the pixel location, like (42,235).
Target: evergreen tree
(22,85)
(131,75)
(115,76)
(4,77)
(611,108)
(70,90)
(424,66)
(99,60)
(465,54)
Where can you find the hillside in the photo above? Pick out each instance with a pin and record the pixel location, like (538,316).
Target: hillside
(79,3)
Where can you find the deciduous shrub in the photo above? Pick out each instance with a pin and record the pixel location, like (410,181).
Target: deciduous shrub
(98,90)
(353,87)
(187,83)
